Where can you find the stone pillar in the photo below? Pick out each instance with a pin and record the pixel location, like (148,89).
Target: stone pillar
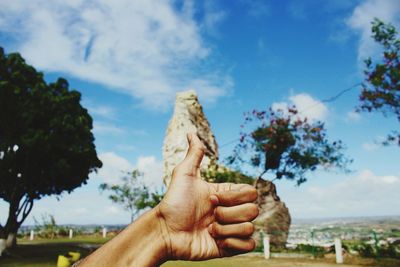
(104,232)
(338,250)
(274,217)
(32,236)
(71,233)
(267,254)
(188,117)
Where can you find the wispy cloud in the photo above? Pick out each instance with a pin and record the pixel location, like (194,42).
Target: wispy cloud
(146,49)
(307,106)
(103,111)
(102,128)
(213,16)
(256,8)
(365,193)
(353,116)
(363,15)
(370,146)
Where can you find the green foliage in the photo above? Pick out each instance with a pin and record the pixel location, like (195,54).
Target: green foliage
(381,89)
(287,145)
(224,175)
(132,194)
(384,251)
(46,143)
(315,250)
(48,227)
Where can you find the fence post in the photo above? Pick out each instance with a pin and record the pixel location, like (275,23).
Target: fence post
(338,251)
(32,235)
(313,244)
(376,244)
(71,233)
(267,253)
(104,232)
(2,245)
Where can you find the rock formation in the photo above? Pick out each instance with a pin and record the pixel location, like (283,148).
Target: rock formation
(188,117)
(274,218)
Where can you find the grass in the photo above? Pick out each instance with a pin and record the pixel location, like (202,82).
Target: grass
(44,253)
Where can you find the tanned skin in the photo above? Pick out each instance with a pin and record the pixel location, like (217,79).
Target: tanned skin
(196,220)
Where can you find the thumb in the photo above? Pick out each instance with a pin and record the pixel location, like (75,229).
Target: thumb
(194,155)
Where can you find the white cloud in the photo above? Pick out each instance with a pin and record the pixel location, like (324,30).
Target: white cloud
(125,147)
(146,49)
(364,194)
(256,8)
(152,170)
(307,106)
(101,111)
(353,116)
(363,15)
(114,166)
(370,147)
(213,15)
(102,128)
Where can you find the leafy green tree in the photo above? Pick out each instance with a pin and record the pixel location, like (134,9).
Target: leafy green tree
(220,174)
(132,194)
(381,89)
(286,146)
(46,143)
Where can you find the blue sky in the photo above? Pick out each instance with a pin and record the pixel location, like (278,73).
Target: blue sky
(129,58)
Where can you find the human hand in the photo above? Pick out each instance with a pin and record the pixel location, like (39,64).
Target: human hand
(201,220)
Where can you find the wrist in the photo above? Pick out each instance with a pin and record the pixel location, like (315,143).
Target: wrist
(164,233)
(142,243)
(151,246)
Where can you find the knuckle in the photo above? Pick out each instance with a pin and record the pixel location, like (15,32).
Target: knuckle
(251,244)
(248,228)
(253,193)
(222,243)
(219,213)
(217,229)
(253,210)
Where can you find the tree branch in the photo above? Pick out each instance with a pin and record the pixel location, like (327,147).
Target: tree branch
(26,208)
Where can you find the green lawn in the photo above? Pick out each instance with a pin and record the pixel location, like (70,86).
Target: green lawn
(44,253)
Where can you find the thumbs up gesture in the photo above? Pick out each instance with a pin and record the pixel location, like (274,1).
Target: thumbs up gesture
(201,220)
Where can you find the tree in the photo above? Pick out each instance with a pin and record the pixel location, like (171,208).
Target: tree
(46,143)
(286,145)
(381,89)
(132,194)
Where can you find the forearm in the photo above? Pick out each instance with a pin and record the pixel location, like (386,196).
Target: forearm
(142,243)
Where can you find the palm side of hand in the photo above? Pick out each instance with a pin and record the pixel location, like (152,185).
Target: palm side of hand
(189,211)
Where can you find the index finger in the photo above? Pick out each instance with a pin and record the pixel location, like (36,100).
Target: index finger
(246,194)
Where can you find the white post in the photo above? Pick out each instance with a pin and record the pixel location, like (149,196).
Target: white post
(32,236)
(71,233)
(104,232)
(267,253)
(338,250)
(2,246)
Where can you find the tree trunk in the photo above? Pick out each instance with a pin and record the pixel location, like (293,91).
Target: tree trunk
(2,246)
(13,223)
(11,226)
(11,241)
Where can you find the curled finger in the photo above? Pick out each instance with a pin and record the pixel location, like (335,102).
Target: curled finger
(228,198)
(237,214)
(217,230)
